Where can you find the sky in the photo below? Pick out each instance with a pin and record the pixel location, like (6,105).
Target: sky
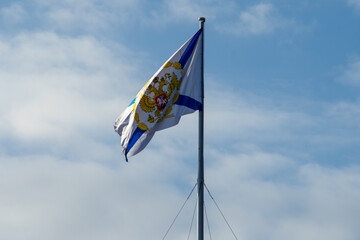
(282,114)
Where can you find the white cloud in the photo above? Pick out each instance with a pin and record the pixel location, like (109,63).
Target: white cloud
(50,198)
(190,10)
(78,16)
(313,201)
(60,92)
(355,3)
(235,117)
(346,113)
(259,19)
(260,193)
(351,74)
(13,13)
(91,16)
(98,16)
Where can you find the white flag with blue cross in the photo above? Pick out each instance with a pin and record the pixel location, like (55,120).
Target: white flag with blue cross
(173,91)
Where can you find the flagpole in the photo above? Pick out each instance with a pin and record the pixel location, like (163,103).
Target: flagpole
(200,180)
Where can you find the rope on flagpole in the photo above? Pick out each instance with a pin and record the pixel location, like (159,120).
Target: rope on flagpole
(220,211)
(192,220)
(207,221)
(179,212)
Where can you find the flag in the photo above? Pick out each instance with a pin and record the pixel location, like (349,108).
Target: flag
(173,91)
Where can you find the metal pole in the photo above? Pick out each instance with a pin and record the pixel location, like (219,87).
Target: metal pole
(200,180)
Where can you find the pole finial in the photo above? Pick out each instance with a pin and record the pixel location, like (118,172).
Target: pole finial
(201,19)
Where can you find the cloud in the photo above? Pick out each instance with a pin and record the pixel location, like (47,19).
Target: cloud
(58,92)
(351,74)
(71,17)
(355,3)
(78,15)
(347,113)
(262,18)
(49,198)
(190,10)
(97,17)
(259,19)
(305,205)
(260,193)
(13,13)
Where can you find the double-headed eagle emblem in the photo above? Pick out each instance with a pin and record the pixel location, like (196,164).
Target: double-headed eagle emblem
(160,91)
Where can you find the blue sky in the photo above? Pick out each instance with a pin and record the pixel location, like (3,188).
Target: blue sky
(281,119)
